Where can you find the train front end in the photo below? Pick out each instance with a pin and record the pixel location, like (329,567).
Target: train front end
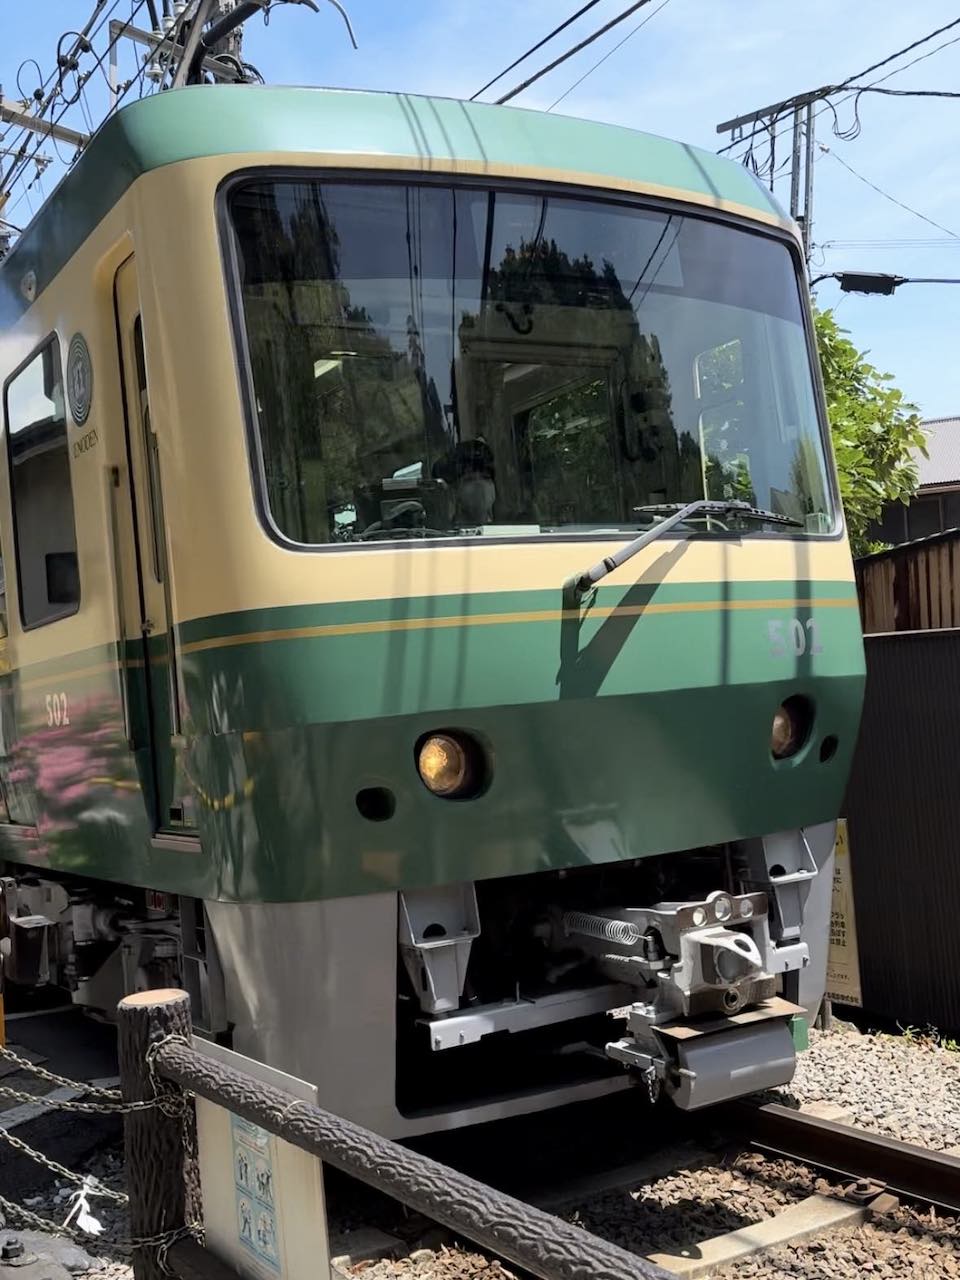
(504,836)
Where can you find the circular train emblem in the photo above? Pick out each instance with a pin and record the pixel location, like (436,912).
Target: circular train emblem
(79,379)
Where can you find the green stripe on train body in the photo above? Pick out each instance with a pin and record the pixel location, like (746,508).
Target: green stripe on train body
(211,120)
(626,735)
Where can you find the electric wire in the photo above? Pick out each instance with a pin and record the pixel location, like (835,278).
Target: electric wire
(138,78)
(803,98)
(610,52)
(8,179)
(18,173)
(564,57)
(886,194)
(533,48)
(26,62)
(904,242)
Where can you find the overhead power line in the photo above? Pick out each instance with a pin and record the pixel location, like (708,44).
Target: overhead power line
(778,109)
(59,73)
(853,131)
(601,31)
(533,48)
(773,133)
(893,242)
(19,166)
(886,194)
(609,54)
(907,93)
(802,123)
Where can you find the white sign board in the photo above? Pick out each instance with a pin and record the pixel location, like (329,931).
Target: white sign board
(843,960)
(263,1206)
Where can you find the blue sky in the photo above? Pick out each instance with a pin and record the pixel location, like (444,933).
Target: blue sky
(694,63)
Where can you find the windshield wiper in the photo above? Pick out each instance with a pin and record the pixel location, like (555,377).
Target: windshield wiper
(673,514)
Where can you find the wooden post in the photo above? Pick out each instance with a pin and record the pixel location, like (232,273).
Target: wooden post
(160,1150)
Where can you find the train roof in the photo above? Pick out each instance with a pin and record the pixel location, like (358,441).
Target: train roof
(208,120)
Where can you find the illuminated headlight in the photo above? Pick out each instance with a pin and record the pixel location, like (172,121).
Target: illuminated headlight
(445,765)
(791,725)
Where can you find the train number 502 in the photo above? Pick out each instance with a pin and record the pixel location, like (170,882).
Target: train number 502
(793,637)
(57,713)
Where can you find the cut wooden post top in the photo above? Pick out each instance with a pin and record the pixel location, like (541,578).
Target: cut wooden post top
(165,995)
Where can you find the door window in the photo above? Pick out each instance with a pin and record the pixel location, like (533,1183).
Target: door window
(149,453)
(45,536)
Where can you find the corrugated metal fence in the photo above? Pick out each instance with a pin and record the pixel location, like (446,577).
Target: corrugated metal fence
(903,810)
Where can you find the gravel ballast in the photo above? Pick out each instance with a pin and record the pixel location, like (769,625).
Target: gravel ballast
(894,1085)
(899,1086)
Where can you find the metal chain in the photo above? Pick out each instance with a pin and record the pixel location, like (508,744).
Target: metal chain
(172,1102)
(164,1240)
(94,1091)
(161,1242)
(96,1186)
(98,1108)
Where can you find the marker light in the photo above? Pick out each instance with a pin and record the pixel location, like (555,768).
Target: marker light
(444,765)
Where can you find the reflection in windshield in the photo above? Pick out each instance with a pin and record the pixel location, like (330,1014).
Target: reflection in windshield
(430,362)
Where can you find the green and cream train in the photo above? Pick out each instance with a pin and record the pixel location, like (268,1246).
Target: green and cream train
(317,406)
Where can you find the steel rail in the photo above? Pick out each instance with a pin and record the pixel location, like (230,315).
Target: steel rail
(902,1167)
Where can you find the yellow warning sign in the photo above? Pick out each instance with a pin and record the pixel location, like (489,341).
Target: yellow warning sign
(843,961)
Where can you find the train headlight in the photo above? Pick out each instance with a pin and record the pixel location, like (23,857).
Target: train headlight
(791,727)
(444,765)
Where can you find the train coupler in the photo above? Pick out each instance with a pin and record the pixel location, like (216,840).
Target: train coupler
(701,1063)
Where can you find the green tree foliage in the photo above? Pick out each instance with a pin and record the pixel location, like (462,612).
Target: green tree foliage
(875,432)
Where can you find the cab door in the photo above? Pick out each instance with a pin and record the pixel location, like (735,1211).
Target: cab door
(160,690)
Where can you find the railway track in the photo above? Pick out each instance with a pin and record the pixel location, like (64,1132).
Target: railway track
(622,1158)
(877,1162)
(621,1151)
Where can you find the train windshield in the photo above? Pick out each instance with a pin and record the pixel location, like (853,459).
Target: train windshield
(433,361)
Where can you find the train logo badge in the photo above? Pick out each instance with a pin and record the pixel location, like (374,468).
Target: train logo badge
(79,379)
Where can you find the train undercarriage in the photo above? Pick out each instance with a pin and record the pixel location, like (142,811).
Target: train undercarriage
(435,1007)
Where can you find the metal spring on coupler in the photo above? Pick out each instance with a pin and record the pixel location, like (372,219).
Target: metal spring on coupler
(622,932)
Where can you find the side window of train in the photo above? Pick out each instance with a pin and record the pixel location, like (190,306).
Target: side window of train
(149,451)
(41,495)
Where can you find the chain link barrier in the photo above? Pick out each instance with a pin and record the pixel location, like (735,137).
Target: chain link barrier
(110,1102)
(61,1104)
(96,1186)
(94,1091)
(161,1242)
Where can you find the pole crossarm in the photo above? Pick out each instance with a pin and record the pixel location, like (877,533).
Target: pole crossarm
(165,45)
(17,113)
(776,109)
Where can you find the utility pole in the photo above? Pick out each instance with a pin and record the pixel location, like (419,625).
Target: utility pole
(762,125)
(231,43)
